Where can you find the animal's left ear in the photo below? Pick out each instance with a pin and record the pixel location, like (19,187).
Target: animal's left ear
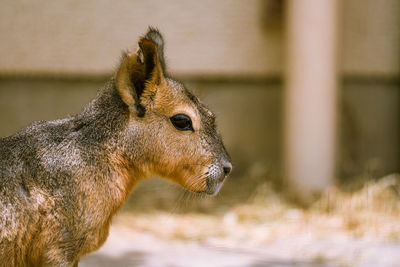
(141,73)
(151,54)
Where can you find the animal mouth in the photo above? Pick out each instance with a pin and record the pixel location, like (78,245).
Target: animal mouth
(210,182)
(214,185)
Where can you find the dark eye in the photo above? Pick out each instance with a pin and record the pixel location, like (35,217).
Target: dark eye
(182,122)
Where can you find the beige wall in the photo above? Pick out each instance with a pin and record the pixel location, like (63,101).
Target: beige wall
(217,37)
(224,37)
(371,37)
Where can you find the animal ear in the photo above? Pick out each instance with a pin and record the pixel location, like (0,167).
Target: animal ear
(141,71)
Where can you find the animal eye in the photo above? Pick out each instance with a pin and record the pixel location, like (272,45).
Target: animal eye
(182,122)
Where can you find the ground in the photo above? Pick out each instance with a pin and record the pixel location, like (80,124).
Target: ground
(341,229)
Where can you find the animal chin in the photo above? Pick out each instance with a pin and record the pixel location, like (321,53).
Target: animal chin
(213,186)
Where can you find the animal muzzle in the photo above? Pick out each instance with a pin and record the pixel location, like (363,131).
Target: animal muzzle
(217,173)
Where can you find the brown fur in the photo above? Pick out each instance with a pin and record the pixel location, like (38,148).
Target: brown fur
(62,181)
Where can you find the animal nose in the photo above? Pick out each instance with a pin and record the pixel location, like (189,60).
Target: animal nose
(227,168)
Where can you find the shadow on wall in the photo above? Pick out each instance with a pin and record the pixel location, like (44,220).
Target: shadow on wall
(248,116)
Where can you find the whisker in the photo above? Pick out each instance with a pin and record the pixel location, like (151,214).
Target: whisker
(178,203)
(186,197)
(187,164)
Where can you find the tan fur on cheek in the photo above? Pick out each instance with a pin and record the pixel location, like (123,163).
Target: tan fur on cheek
(189,172)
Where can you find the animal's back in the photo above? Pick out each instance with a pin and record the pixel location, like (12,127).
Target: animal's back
(47,172)
(24,199)
(20,153)
(15,213)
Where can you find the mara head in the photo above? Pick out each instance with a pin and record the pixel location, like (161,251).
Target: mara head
(177,133)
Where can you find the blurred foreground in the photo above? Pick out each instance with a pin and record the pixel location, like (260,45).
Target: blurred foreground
(346,227)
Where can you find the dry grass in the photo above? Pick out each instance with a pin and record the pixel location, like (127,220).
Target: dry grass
(372,212)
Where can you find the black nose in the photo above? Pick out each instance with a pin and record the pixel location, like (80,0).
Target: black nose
(227,168)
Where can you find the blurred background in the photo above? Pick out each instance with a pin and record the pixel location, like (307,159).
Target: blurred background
(307,97)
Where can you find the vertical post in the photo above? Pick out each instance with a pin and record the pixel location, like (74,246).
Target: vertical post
(310,96)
